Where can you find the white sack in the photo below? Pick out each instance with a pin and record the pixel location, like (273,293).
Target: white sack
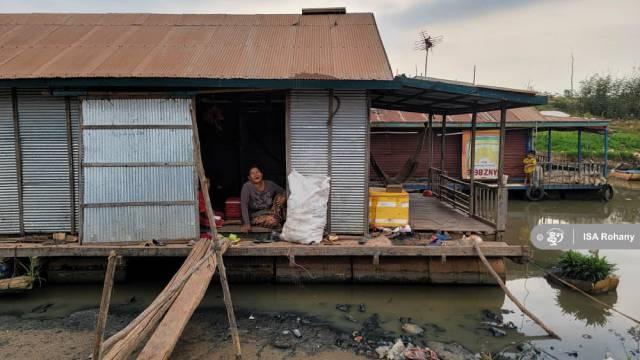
(306,208)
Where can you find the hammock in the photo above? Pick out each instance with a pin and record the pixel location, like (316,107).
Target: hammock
(407,170)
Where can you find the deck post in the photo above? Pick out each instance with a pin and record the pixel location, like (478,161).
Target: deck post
(579,145)
(549,149)
(501,214)
(430,126)
(606,152)
(443,133)
(472,165)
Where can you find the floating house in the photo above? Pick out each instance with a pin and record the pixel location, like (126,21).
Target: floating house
(97,114)
(395,136)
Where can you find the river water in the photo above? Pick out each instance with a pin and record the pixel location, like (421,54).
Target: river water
(585,327)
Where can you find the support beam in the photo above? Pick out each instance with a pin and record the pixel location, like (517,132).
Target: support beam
(501,217)
(549,149)
(606,152)
(443,133)
(472,165)
(579,145)
(430,125)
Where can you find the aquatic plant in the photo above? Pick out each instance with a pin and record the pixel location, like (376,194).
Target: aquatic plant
(32,271)
(575,265)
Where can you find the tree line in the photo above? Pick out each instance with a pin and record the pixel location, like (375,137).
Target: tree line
(602,96)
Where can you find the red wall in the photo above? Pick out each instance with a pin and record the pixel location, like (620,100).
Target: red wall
(391,151)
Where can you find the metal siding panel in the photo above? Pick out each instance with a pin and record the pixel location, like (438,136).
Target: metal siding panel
(138,223)
(45,163)
(137,112)
(9,217)
(308,135)
(137,145)
(75,144)
(135,184)
(515,150)
(138,184)
(349,163)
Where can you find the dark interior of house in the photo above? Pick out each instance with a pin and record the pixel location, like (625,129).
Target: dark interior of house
(238,130)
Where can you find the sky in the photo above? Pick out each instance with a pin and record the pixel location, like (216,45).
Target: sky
(512,43)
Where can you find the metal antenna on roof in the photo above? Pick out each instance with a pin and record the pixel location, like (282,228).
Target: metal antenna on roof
(426,43)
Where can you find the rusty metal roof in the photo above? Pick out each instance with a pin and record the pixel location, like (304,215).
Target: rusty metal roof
(524,117)
(209,46)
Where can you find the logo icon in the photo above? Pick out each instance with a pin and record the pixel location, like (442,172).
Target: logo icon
(554,236)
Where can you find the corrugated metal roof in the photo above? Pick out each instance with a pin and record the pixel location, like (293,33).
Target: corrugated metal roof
(524,115)
(211,46)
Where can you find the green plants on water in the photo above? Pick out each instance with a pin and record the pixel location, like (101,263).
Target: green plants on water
(593,268)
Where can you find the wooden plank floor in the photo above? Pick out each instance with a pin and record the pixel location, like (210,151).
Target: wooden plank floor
(429,214)
(380,246)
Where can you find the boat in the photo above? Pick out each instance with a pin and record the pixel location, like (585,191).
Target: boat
(628,175)
(16,284)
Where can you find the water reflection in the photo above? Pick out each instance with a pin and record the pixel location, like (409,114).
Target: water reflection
(573,303)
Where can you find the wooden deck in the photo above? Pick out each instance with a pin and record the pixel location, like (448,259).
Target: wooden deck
(429,214)
(380,246)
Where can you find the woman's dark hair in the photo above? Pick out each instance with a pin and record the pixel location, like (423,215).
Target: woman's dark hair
(254,166)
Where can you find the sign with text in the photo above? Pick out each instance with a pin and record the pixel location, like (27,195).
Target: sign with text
(586,236)
(487,150)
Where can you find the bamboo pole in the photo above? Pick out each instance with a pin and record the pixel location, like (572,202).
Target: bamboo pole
(204,185)
(510,295)
(104,305)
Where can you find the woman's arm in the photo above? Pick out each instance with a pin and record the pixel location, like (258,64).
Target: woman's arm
(276,188)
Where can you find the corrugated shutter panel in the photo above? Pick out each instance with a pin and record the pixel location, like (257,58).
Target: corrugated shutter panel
(131,191)
(349,167)
(45,162)
(9,218)
(308,135)
(75,143)
(515,149)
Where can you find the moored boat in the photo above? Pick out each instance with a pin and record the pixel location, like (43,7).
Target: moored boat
(628,175)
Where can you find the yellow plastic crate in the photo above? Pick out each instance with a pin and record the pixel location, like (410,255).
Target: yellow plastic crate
(388,209)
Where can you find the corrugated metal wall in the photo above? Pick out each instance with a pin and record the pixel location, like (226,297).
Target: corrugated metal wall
(45,162)
(515,149)
(308,135)
(391,150)
(9,211)
(349,167)
(139,175)
(340,151)
(74,107)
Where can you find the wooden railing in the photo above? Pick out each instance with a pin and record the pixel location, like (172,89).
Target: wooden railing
(486,204)
(570,172)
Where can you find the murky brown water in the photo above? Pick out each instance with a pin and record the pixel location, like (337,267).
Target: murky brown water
(584,326)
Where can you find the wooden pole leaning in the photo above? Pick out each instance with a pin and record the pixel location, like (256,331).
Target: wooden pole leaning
(510,295)
(204,187)
(101,323)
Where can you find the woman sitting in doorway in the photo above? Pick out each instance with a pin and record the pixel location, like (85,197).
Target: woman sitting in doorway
(262,202)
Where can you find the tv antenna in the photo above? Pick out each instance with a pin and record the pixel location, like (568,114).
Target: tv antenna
(426,43)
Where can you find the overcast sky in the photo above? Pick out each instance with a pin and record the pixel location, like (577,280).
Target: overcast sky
(513,43)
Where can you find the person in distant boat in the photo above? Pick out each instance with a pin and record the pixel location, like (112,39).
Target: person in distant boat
(262,202)
(530,163)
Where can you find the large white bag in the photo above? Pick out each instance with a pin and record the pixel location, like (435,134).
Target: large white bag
(306,208)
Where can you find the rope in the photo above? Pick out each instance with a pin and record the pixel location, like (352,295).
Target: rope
(610,307)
